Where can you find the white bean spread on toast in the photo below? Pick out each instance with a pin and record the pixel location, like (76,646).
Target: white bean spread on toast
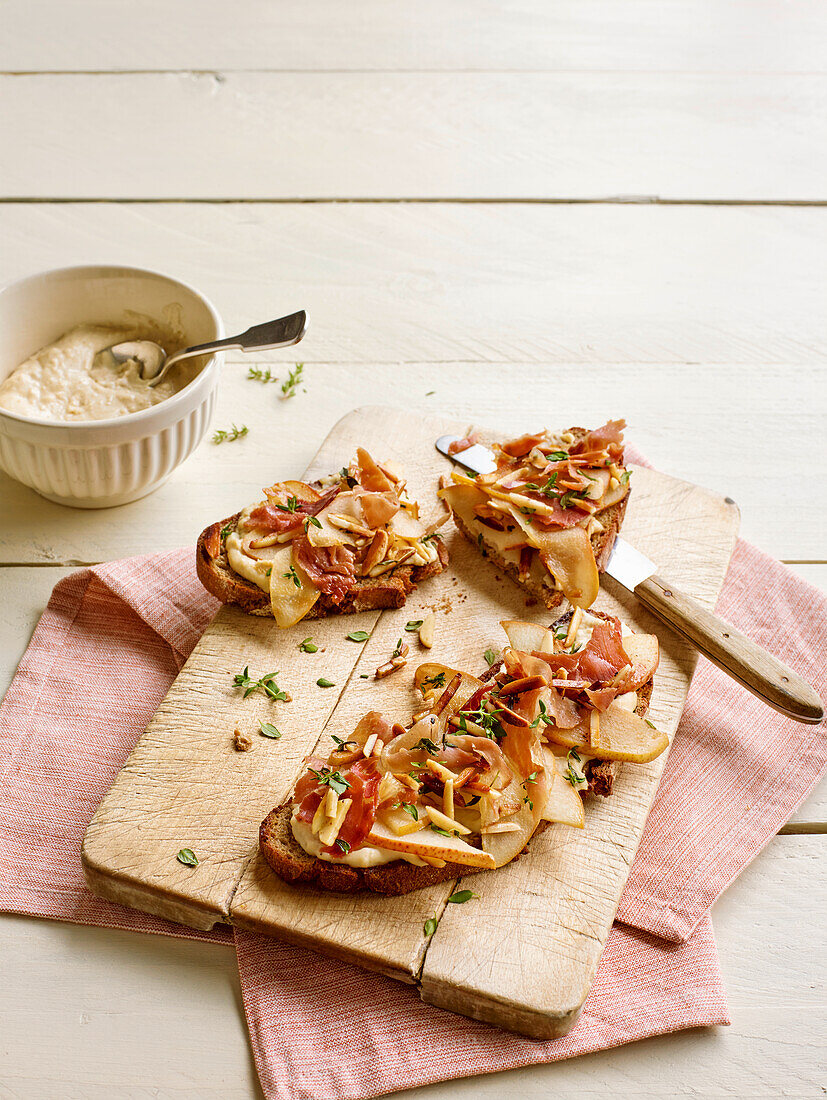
(550,512)
(352,542)
(480,770)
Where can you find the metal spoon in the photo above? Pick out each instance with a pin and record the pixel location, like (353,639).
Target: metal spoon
(154,363)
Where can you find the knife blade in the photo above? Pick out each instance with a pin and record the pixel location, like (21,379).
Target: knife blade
(744,660)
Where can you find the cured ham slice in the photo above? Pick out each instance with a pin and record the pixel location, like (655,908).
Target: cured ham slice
(609,437)
(275,515)
(516,448)
(331,569)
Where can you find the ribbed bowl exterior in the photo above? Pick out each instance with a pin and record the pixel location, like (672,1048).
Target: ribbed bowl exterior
(102,463)
(106,475)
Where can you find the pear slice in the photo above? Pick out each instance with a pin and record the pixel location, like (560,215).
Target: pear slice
(528,637)
(644,655)
(428,843)
(564,804)
(623,736)
(290,603)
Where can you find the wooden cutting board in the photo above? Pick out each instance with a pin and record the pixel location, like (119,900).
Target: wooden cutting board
(524,954)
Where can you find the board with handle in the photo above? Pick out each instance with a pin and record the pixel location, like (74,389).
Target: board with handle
(521,955)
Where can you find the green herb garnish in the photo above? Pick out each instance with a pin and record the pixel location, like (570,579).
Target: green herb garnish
(292,575)
(322,683)
(429,927)
(341,744)
(461,896)
(230,435)
(256,374)
(267,729)
(427,745)
(308,646)
(187,857)
(335,780)
(414,624)
(435,681)
(267,684)
(571,775)
(311,521)
(291,505)
(491,657)
(225,530)
(288,388)
(342,845)
(357,636)
(443,832)
(412,810)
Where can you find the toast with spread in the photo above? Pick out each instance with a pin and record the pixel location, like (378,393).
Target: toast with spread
(485,766)
(350,542)
(549,514)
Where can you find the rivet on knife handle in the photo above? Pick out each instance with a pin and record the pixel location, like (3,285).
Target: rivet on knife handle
(743,659)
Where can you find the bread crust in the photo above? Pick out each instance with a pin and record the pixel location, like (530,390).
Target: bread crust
(370,593)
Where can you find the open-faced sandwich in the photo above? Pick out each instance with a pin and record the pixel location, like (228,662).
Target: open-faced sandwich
(485,766)
(351,542)
(549,514)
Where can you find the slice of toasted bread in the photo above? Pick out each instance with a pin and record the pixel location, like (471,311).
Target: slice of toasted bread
(369,593)
(291,863)
(602,545)
(289,860)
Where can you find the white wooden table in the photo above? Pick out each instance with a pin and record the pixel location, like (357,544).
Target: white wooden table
(541,213)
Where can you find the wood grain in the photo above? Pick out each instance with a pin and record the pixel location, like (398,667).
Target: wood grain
(679,35)
(418,135)
(184,786)
(405,284)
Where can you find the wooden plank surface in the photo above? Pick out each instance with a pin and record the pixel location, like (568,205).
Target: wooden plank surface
(443,283)
(421,135)
(670,36)
(182,782)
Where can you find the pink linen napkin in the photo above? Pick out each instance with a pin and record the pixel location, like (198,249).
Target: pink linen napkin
(101,659)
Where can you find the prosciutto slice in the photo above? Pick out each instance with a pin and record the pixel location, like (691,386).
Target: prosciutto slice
(270,517)
(608,438)
(331,569)
(363,782)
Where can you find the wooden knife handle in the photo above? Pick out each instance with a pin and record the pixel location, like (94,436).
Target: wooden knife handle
(753,667)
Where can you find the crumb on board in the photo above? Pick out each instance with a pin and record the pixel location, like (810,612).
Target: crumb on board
(241,742)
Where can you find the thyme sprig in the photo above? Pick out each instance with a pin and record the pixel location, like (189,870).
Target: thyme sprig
(267,684)
(230,435)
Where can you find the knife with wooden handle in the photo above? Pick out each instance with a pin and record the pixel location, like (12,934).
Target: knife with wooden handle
(745,661)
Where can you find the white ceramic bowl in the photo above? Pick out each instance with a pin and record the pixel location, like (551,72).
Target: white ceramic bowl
(100,463)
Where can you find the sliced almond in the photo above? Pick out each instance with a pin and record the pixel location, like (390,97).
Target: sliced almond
(331,803)
(319,818)
(376,551)
(328,834)
(501,827)
(594,729)
(448,799)
(371,741)
(349,523)
(432,862)
(574,626)
(442,821)
(445,774)
(426,631)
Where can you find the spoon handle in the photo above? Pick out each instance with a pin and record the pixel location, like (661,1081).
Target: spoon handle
(281,333)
